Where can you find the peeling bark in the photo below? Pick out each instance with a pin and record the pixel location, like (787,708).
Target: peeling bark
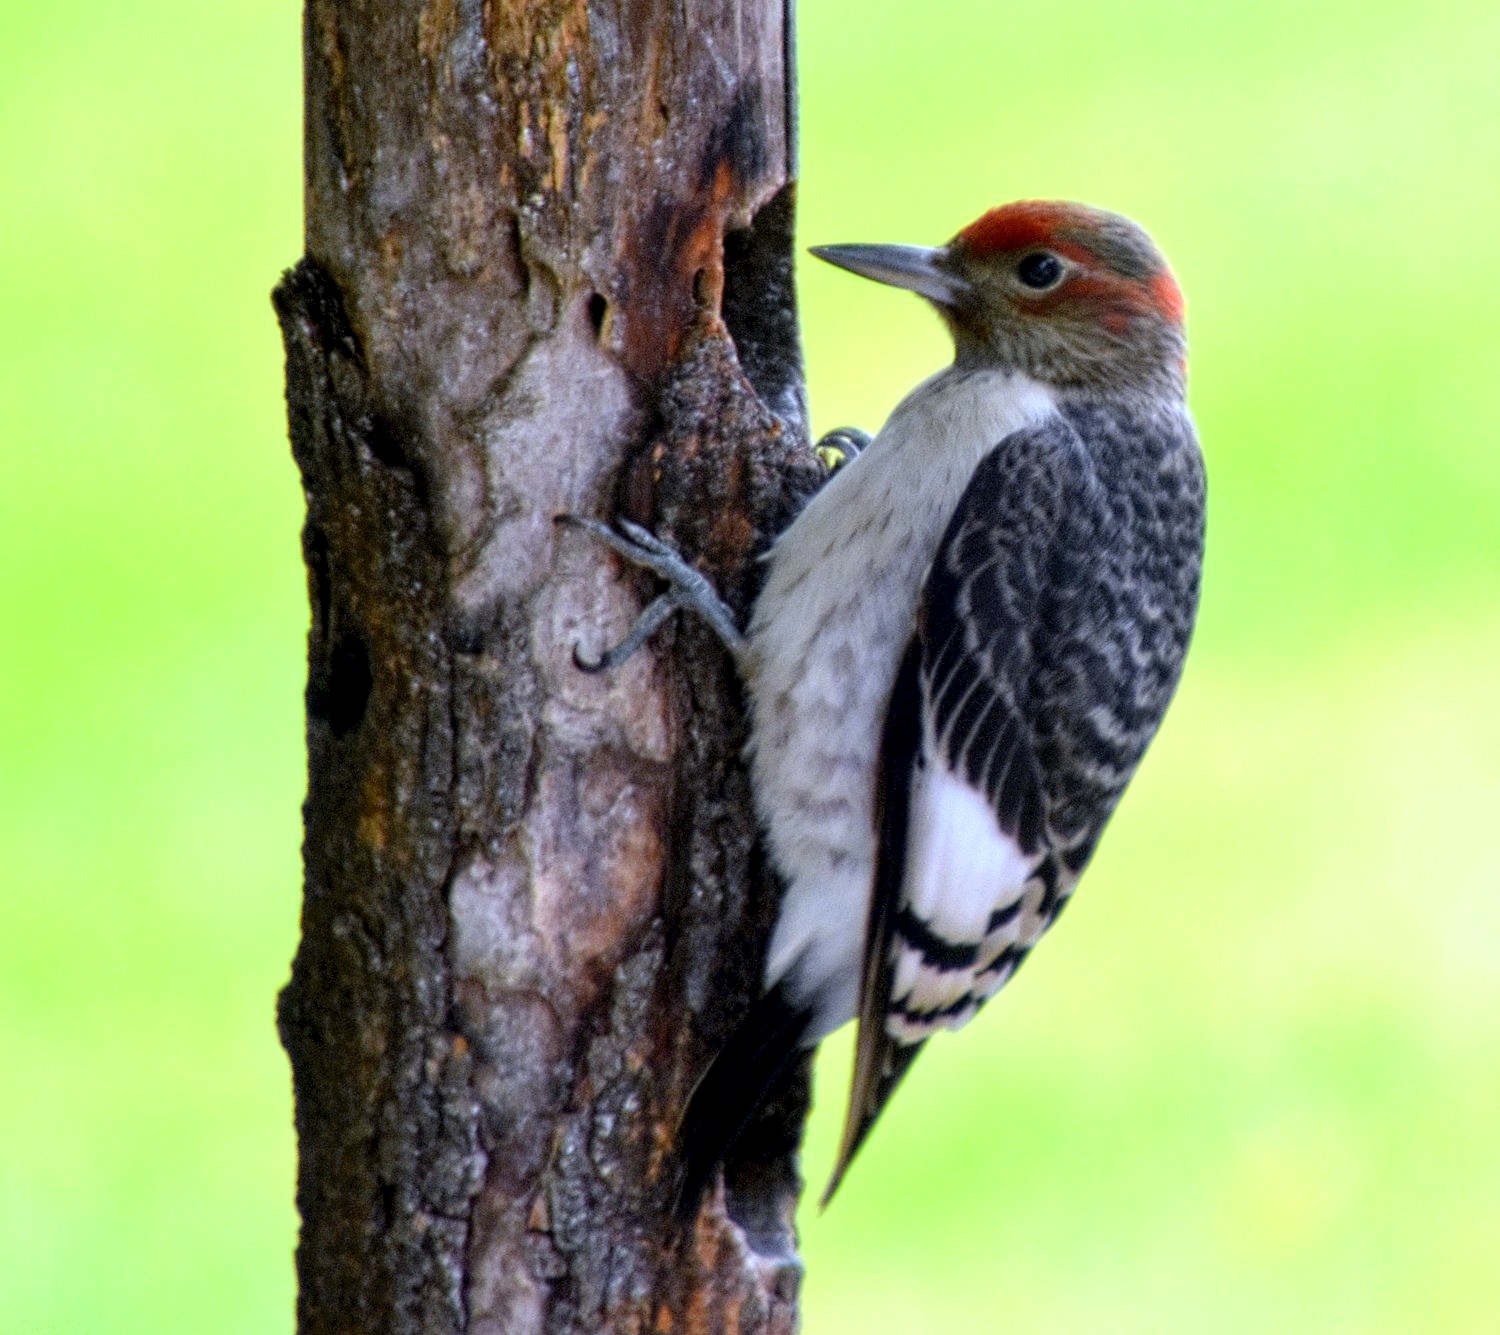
(548,269)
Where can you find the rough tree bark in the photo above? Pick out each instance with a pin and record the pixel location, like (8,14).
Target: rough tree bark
(547,269)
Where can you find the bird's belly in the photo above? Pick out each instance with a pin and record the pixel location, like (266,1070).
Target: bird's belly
(821,685)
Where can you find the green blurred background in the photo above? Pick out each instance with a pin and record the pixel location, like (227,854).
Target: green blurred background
(1251,1084)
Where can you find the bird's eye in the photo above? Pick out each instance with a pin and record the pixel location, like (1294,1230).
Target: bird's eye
(1039,270)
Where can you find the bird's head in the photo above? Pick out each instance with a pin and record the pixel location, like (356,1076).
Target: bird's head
(1071,295)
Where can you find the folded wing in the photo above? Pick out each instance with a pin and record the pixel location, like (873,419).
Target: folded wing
(966,878)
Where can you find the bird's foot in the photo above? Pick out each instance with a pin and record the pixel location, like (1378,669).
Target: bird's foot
(840,446)
(688,590)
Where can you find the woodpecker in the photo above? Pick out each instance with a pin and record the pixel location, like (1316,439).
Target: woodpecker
(963,645)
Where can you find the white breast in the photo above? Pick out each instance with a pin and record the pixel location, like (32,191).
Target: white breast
(826,638)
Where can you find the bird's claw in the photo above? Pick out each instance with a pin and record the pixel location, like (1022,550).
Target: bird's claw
(840,446)
(646,625)
(688,589)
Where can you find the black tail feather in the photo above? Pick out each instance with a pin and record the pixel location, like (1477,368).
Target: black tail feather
(759,1055)
(892,1062)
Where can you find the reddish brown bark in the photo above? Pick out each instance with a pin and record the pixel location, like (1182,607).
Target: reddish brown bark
(548,269)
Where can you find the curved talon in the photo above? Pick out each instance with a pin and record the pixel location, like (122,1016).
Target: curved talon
(646,625)
(589,665)
(840,446)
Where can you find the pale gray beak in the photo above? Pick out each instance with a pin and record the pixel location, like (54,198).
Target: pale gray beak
(916,268)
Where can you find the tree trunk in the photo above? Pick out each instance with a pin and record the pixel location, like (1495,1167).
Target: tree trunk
(548,269)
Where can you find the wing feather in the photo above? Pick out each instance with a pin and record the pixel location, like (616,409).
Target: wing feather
(959,796)
(950,725)
(1051,632)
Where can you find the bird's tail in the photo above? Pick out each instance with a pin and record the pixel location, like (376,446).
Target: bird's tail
(879,1063)
(879,1060)
(759,1055)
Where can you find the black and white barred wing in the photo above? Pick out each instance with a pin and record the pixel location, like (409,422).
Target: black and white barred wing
(964,881)
(976,872)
